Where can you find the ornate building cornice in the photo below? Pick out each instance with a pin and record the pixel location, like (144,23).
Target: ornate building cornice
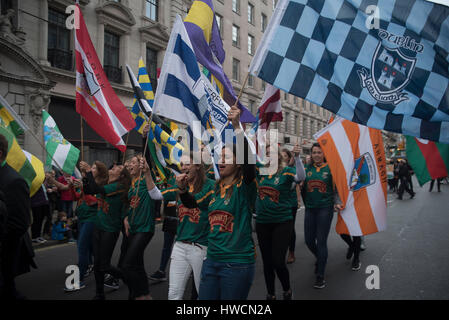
(155,34)
(115,16)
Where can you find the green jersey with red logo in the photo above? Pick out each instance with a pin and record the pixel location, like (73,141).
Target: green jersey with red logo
(111,208)
(87,208)
(230,238)
(274,204)
(318,187)
(193,223)
(141,212)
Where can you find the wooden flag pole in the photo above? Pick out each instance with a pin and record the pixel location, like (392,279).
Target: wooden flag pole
(82,138)
(140,174)
(126,146)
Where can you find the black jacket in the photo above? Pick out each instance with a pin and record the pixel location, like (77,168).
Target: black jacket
(18,219)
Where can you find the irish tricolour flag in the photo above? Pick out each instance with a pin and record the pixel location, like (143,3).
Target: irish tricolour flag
(60,152)
(429,160)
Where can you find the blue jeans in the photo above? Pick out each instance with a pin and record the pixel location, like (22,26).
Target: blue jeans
(85,246)
(169,239)
(317,224)
(225,281)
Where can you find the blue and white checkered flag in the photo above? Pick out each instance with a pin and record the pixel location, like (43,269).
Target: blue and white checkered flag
(386,70)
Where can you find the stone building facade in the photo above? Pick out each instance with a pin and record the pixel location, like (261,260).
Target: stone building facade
(37,62)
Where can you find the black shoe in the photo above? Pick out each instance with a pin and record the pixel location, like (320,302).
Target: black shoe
(399,198)
(99,297)
(320,283)
(158,276)
(412,195)
(111,282)
(270,297)
(349,253)
(356,264)
(288,295)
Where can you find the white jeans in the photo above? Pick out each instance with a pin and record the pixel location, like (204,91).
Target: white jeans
(185,258)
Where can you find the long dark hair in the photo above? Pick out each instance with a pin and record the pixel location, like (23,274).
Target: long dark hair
(102,174)
(200,178)
(316,144)
(124,182)
(238,175)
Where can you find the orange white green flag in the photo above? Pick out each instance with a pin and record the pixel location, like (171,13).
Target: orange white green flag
(356,158)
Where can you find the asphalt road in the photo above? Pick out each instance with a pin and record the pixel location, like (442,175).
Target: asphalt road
(412,257)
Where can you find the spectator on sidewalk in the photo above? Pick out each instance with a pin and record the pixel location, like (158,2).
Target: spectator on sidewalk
(40,209)
(16,247)
(66,198)
(61,230)
(404,177)
(438,184)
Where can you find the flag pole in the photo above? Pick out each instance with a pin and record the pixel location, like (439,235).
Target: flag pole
(82,139)
(126,146)
(144,151)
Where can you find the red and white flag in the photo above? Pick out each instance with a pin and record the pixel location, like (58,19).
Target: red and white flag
(270,108)
(96,101)
(356,158)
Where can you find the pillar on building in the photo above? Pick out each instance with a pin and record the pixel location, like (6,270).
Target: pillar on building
(43,28)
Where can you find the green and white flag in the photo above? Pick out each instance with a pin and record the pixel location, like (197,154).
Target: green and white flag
(58,148)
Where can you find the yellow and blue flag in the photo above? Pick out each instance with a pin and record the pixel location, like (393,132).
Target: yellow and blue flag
(144,80)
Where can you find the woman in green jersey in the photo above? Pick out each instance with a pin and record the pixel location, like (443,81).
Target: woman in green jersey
(274,220)
(139,226)
(318,193)
(112,204)
(189,251)
(228,271)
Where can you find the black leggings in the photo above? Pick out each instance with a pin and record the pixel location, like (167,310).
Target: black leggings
(292,244)
(103,248)
(354,243)
(133,264)
(274,239)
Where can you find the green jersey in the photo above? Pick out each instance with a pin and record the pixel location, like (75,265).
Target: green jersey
(274,204)
(141,209)
(87,208)
(318,187)
(230,237)
(111,208)
(193,223)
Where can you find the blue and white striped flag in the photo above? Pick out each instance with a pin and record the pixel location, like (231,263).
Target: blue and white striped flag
(383,64)
(184,93)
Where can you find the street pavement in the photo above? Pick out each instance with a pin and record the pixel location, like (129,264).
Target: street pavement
(412,257)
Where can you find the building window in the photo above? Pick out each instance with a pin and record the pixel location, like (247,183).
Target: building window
(250,45)
(220,24)
(152,67)
(251,105)
(235,36)
(295,129)
(287,116)
(152,9)
(236,6)
(312,128)
(250,13)
(304,127)
(112,57)
(295,99)
(235,69)
(263,22)
(58,52)
(250,81)
(263,85)
(286,96)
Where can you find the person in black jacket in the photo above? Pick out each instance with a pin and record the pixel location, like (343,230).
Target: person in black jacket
(404,177)
(17,251)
